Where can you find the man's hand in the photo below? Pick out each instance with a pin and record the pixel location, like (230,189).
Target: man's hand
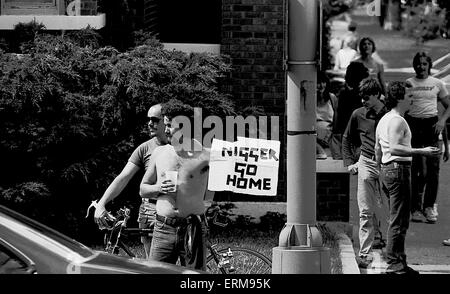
(102,218)
(167,186)
(439,126)
(353,168)
(431,151)
(446,155)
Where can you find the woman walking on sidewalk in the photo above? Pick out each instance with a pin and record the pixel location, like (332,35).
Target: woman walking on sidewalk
(376,69)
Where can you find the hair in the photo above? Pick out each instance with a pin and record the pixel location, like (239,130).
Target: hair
(355,73)
(323,78)
(374,48)
(395,92)
(416,60)
(352,26)
(369,86)
(175,107)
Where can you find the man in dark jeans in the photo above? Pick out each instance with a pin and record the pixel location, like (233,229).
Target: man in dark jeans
(139,160)
(425,126)
(360,134)
(393,152)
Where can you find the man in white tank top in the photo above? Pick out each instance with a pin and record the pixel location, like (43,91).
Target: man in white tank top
(393,152)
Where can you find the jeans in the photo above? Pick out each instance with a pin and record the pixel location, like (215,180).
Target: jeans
(168,244)
(370,204)
(425,181)
(424,170)
(396,179)
(146,220)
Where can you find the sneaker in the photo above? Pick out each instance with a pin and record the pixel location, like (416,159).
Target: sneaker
(364,261)
(446,242)
(435,209)
(430,216)
(378,244)
(321,156)
(417,216)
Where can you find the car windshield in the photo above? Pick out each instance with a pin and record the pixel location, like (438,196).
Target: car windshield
(44,231)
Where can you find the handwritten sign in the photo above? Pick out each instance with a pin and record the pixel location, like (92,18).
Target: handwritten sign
(248,166)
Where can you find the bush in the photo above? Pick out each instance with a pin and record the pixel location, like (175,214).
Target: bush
(424,23)
(72,113)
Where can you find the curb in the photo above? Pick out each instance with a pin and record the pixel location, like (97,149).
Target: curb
(347,255)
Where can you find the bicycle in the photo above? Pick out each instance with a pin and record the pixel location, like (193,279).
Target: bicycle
(229,260)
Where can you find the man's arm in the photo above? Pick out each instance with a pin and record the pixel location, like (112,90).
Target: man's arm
(440,125)
(381,79)
(396,132)
(115,188)
(445,142)
(378,152)
(348,146)
(149,187)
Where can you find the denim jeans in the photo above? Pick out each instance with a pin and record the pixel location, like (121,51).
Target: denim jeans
(396,179)
(424,170)
(372,210)
(425,181)
(168,244)
(146,220)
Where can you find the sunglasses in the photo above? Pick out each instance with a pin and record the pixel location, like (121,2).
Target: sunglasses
(154,119)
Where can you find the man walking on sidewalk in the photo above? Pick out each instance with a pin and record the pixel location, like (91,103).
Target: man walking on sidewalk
(393,152)
(360,133)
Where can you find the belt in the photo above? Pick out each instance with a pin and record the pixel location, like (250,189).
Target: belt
(149,200)
(177,221)
(396,163)
(367,155)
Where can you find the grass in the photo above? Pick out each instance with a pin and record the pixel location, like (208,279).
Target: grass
(261,241)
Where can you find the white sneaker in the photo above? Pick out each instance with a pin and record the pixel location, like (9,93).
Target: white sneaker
(435,209)
(429,215)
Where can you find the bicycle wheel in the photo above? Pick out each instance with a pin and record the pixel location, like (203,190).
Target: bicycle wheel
(243,261)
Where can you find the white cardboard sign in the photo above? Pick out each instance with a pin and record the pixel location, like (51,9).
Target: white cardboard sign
(248,166)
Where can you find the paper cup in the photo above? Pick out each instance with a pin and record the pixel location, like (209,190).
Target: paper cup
(173,176)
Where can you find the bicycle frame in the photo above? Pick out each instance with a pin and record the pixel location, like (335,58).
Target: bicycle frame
(223,257)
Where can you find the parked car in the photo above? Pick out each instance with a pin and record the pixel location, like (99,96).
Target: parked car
(29,247)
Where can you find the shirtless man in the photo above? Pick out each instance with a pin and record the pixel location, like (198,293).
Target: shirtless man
(180,226)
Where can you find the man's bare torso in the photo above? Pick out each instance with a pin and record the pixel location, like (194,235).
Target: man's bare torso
(192,181)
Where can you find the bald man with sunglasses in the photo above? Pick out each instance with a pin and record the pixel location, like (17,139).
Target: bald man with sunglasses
(138,160)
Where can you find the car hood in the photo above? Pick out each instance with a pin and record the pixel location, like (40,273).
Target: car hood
(104,263)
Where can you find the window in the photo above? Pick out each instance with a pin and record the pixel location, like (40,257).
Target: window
(11,263)
(36,7)
(194,21)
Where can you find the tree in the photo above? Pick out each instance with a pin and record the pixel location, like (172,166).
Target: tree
(72,114)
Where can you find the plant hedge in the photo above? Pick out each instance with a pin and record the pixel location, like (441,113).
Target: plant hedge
(72,113)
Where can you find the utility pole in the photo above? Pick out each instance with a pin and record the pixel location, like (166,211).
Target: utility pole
(300,249)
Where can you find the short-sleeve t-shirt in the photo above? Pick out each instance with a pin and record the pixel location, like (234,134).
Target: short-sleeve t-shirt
(425,93)
(141,156)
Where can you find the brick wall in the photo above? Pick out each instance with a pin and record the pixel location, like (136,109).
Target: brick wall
(333,197)
(252,36)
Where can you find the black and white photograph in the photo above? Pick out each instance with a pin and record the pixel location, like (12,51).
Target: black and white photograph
(188,140)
